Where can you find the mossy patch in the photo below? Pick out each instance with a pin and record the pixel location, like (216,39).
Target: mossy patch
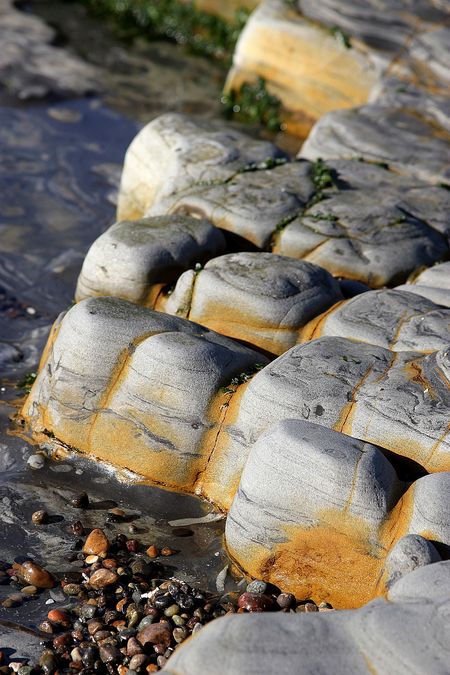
(254,104)
(182,22)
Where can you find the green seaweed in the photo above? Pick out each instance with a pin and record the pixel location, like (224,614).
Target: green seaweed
(182,22)
(254,104)
(27,382)
(242,378)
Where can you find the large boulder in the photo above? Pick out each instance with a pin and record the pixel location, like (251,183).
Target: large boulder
(317,512)
(135,259)
(173,152)
(393,319)
(406,634)
(260,298)
(136,388)
(309,513)
(307,66)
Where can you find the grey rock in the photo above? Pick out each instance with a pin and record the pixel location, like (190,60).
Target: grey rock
(393,319)
(433,283)
(411,144)
(380,24)
(399,402)
(252,204)
(406,634)
(135,387)
(31,67)
(427,584)
(371,226)
(409,553)
(432,48)
(261,298)
(308,513)
(132,259)
(173,152)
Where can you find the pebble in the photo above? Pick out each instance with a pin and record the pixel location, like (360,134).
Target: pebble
(257,586)
(152,551)
(96,544)
(40,517)
(166,551)
(102,578)
(72,589)
(29,590)
(286,600)
(36,461)
(138,661)
(91,559)
(157,633)
(180,633)
(80,501)
(34,575)
(255,602)
(59,617)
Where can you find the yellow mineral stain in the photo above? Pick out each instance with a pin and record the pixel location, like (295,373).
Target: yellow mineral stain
(220,478)
(321,563)
(314,328)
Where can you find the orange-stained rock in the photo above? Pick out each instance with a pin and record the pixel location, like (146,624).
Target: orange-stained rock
(304,64)
(31,573)
(96,544)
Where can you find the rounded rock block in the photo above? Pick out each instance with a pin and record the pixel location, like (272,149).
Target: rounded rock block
(432,283)
(259,298)
(398,401)
(362,234)
(409,553)
(173,152)
(251,204)
(406,635)
(306,66)
(133,260)
(324,516)
(386,133)
(136,388)
(392,319)
(309,512)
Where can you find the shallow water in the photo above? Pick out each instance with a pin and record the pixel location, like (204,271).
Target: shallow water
(59,170)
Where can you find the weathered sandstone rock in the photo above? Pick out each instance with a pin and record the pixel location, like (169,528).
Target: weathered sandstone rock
(357,237)
(308,67)
(317,512)
(134,259)
(406,634)
(393,319)
(433,283)
(309,512)
(410,140)
(252,204)
(137,388)
(398,401)
(260,298)
(173,152)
